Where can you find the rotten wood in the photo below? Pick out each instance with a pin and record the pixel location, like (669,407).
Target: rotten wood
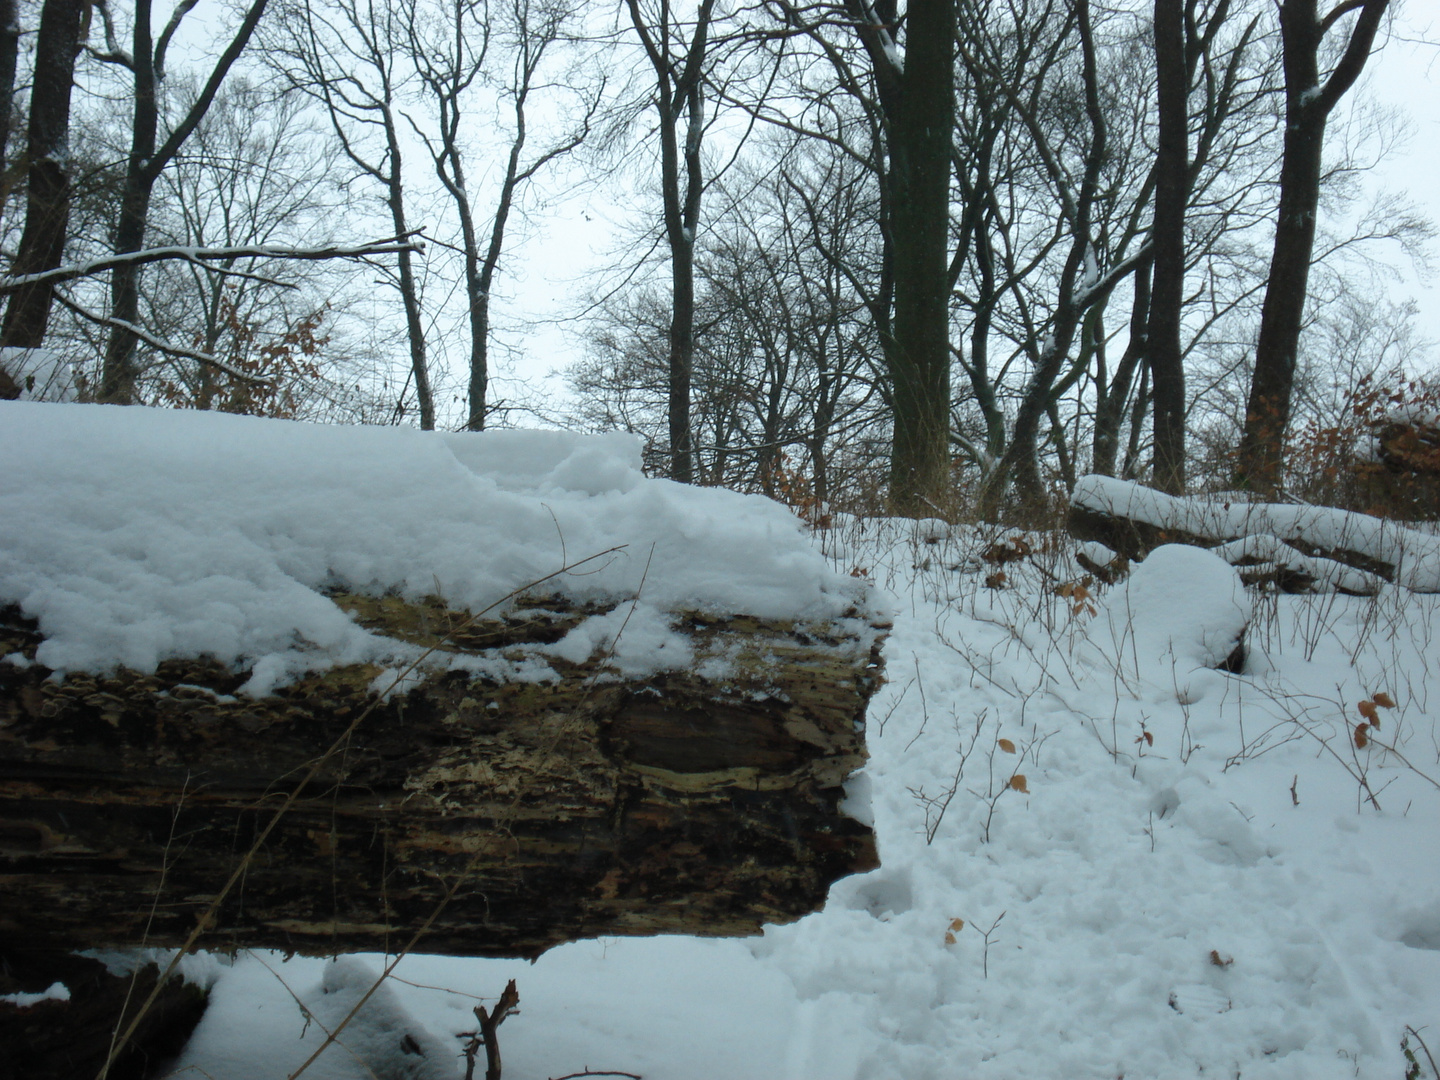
(585,806)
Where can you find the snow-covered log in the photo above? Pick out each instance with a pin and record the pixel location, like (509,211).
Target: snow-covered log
(1300,546)
(545,812)
(335,689)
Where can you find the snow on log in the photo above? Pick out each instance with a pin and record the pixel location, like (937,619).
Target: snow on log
(1297,546)
(204,619)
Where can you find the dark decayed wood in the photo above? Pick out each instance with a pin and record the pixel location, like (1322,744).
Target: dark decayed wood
(590,805)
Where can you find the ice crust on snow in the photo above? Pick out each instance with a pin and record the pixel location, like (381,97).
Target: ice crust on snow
(134,535)
(1415,555)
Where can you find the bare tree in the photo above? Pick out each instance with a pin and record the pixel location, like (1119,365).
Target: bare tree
(678,52)
(147,158)
(1309,101)
(47,209)
(452,47)
(349,55)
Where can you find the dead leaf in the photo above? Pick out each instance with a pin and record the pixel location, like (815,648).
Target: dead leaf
(1018,783)
(1384,700)
(957,925)
(1006,745)
(1220,961)
(949,938)
(1367,710)
(1361,738)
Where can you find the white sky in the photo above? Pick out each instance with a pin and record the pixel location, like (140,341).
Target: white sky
(1406,75)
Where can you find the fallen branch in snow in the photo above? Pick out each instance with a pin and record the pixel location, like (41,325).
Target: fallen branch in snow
(1298,547)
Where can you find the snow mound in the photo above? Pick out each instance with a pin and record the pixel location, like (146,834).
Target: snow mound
(1181,611)
(136,535)
(382,1041)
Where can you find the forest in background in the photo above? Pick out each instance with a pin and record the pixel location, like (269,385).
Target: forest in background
(939,258)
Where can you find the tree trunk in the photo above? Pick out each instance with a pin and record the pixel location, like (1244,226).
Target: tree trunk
(1172,184)
(1132,520)
(1308,104)
(921,114)
(9,60)
(47,205)
(1110,405)
(679,91)
(142,169)
(511,816)
(409,295)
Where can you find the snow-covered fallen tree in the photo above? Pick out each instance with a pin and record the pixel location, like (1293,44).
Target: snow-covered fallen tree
(474,694)
(1297,546)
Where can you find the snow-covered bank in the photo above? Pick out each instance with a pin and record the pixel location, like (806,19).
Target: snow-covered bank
(1193,882)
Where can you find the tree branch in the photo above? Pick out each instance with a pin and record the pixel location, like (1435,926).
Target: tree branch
(154,341)
(203,256)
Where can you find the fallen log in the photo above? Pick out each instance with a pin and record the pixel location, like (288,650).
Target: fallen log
(502,817)
(1294,545)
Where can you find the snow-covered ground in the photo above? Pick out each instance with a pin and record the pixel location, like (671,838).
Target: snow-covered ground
(1195,884)
(1101,857)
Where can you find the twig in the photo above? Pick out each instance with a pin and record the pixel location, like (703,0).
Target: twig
(486,1037)
(1434,1070)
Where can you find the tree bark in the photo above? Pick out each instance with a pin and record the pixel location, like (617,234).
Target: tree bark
(1308,104)
(513,816)
(47,204)
(9,61)
(1172,186)
(918,101)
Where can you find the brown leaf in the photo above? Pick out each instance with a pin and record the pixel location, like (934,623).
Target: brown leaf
(1006,745)
(1220,961)
(1361,738)
(1149,739)
(1367,710)
(949,938)
(1018,783)
(1384,700)
(957,925)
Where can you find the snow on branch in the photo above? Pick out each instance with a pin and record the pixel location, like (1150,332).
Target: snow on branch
(157,342)
(205,256)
